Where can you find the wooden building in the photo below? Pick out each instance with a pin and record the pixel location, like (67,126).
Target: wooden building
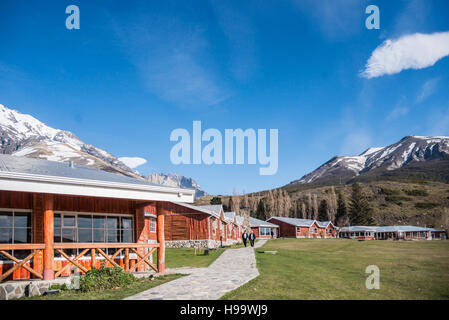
(391,233)
(263,229)
(326,229)
(304,228)
(192,226)
(57,217)
(234,227)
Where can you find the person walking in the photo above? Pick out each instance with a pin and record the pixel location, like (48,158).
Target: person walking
(245,237)
(272,234)
(252,238)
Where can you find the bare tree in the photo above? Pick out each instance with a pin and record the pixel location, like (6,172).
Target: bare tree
(315,207)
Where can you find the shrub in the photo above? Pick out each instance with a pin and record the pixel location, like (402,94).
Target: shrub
(59,287)
(417,192)
(426,205)
(388,192)
(105,278)
(397,199)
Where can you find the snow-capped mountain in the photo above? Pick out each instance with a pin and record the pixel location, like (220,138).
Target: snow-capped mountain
(23,135)
(173,179)
(411,149)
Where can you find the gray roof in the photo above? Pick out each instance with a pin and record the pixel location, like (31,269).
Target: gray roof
(229,215)
(239,219)
(323,224)
(198,208)
(253,222)
(295,221)
(216,208)
(386,229)
(25,165)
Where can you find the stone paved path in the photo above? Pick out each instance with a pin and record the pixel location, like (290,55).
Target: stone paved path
(232,269)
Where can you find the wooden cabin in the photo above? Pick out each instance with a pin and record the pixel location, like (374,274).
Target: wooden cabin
(263,229)
(391,233)
(56,217)
(326,229)
(192,226)
(304,228)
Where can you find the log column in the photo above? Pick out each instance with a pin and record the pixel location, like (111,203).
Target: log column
(160,236)
(49,273)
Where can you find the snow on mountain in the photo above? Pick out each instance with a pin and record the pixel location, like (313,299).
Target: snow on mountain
(392,157)
(173,179)
(23,135)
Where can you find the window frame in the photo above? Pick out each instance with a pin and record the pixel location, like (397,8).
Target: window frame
(30,228)
(153,223)
(93,214)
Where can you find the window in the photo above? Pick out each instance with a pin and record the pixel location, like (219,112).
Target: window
(87,227)
(15,227)
(214,225)
(152,225)
(265,231)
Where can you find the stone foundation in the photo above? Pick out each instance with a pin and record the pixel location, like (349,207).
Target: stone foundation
(28,288)
(188,244)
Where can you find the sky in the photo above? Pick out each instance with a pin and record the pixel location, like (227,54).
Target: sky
(135,72)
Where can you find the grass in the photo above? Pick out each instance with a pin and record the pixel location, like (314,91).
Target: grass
(185,257)
(110,294)
(335,269)
(175,258)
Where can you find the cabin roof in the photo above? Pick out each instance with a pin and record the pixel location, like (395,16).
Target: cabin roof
(198,208)
(239,220)
(253,223)
(216,208)
(37,175)
(230,216)
(324,224)
(295,221)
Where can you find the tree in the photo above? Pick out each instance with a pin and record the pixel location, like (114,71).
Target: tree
(315,207)
(309,206)
(215,200)
(360,212)
(341,217)
(260,212)
(323,211)
(332,204)
(303,210)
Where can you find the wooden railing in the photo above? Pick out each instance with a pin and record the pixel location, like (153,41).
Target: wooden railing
(34,248)
(142,251)
(93,248)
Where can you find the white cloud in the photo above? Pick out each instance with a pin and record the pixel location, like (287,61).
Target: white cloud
(427,89)
(416,51)
(133,162)
(397,112)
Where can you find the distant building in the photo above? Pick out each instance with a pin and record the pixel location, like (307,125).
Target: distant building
(391,233)
(263,229)
(304,228)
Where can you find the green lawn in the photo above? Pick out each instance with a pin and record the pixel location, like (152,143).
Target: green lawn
(185,257)
(335,269)
(110,294)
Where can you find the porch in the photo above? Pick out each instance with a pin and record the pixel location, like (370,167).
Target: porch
(46,236)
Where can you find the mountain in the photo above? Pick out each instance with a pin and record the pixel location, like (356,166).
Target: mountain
(413,156)
(23,135)
(173,179)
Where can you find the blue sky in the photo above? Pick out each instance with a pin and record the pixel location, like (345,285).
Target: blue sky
(132,74)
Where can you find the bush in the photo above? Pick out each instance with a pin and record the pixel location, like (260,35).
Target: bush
(426,205)
(59,287)
(397,199)
(105,278)
(388,192)
(417,192)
